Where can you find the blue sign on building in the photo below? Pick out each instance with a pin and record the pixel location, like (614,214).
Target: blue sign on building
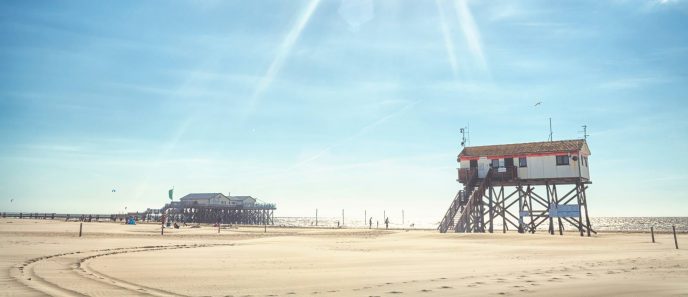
(564,211)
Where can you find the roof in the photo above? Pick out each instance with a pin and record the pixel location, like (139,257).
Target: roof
(200,196)
(559,146)
(241,197)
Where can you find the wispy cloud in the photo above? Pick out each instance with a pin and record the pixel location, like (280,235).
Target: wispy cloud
(471,32)
(448,42)
(282,54)
(360,132)
(625,83)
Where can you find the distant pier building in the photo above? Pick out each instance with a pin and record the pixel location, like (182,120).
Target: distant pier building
(217,207)
(503,184)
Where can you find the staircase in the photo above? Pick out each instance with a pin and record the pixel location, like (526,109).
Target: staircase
(466,203)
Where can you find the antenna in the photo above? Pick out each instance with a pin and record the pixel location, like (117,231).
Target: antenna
(585,132)
(468,132)
(550,129)
(465,136)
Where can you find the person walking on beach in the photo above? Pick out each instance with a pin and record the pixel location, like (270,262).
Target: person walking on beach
(386,223)
(370,223)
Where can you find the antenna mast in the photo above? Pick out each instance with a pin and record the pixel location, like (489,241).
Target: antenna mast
(585,132)
(465,136)
(468,132)
(550,129)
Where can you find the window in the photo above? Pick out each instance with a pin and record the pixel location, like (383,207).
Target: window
(522,162)
(495,163)
(562,160)
(474,163)
(585,161)
(509,162)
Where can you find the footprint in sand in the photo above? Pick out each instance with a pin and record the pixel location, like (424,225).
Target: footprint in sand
(425,290)
(445,287)
(395,292)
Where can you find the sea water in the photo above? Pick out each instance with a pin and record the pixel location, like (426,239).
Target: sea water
(615,224)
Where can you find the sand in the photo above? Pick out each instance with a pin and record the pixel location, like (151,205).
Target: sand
(41,258)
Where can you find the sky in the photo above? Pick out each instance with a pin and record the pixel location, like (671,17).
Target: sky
(334,105)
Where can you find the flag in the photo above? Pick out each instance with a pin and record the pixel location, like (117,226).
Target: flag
(170,193)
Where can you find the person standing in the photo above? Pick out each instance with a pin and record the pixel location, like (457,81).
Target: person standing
(387,223)
(370,223)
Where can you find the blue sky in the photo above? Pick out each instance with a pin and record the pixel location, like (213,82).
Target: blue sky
(333,104)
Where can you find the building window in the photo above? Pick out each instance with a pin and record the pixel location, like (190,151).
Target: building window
(509,162)
(522,162)
(474,164)
(562,160)
(495,163)
(585,161)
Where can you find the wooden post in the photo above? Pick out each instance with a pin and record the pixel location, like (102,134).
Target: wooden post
(342,217)
(652,232)
(580,213)
(81,226)
(490,208)
(316,217)
(162,230)
(549,202)
(675,240)
(504,210)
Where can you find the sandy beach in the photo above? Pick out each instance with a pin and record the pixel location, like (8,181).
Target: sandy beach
(48,258)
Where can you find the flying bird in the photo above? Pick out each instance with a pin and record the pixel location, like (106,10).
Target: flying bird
(11,200)
(539,102)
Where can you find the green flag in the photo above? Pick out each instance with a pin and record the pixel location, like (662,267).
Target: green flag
(170,193)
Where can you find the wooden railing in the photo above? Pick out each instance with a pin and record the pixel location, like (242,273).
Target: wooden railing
(505,174)
(466,174)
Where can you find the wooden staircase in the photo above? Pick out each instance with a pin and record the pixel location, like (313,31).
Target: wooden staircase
(466,204)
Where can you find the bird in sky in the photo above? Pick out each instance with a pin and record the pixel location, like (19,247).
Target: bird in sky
(11,200)
(113,190)
(539,102)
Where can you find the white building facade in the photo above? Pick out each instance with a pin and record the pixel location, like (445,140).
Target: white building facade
(535,160)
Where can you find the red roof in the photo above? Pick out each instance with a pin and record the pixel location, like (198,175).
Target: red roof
(545,147)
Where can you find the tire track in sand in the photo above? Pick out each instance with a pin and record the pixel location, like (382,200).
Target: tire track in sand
(68,274)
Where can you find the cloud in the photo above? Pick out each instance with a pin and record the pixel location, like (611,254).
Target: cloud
(471,32)
(632,83)
(282,53)
(448,42)
(360,132)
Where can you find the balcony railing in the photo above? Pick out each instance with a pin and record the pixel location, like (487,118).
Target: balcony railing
(499,174)
(505,173)
(466,174)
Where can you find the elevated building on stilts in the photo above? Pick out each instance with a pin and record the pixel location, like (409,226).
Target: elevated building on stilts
(524,186)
